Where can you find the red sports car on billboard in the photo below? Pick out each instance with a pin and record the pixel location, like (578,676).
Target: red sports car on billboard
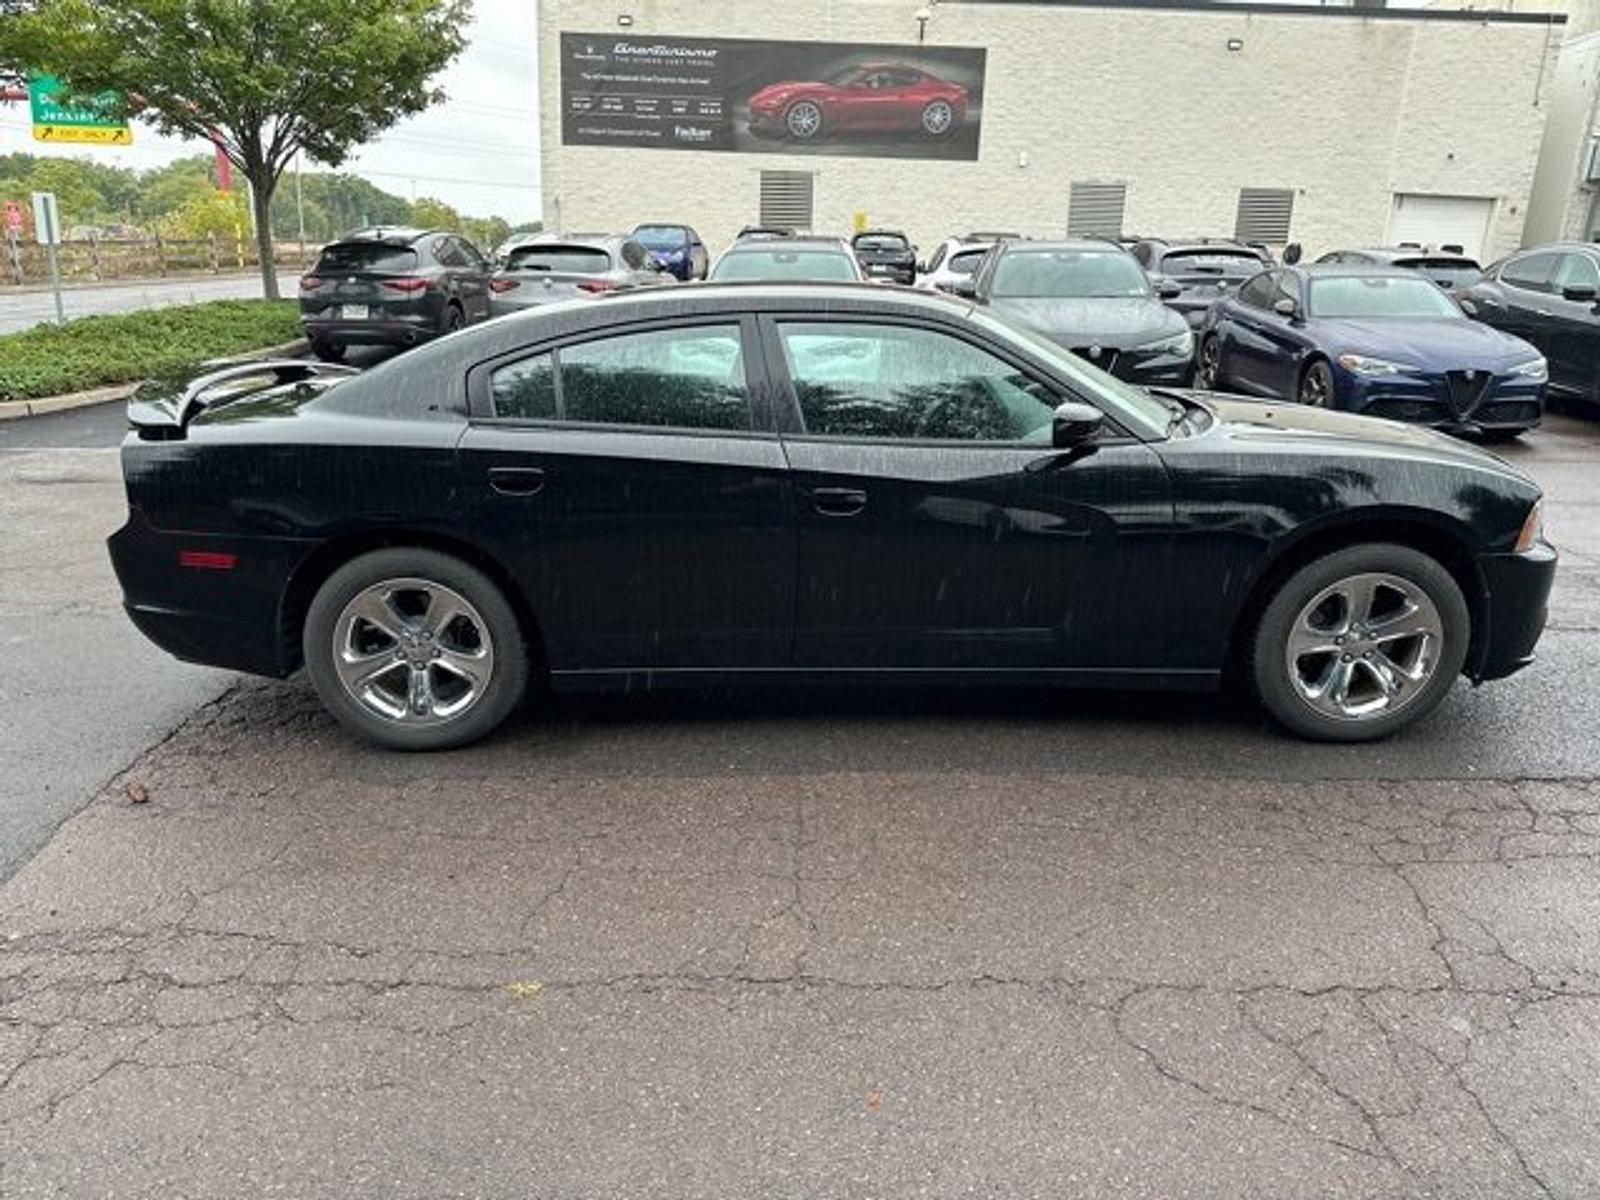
(877,97)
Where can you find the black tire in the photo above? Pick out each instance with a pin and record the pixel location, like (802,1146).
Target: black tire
(1208,367)
(1269,666)
(327,351)
(507,674)
(1316,385)
(803,130)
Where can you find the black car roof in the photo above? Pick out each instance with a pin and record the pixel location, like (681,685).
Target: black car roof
(899,233)
(395,235)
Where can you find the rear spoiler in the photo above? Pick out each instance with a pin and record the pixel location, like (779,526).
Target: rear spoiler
(157,413)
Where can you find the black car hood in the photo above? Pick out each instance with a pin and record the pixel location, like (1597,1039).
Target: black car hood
(1118,323)
(1296,424)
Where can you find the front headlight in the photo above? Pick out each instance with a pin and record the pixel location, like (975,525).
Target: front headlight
(1532,528)
(1362,365)
(1535,368)
(1178,343)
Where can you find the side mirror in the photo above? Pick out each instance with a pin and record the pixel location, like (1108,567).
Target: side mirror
(965,286)
(1074,423)
(1467,306)
(1583,293)
(1286,308)
(1167,290)
(1292,254)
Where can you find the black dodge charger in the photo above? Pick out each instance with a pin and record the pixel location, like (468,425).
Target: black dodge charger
(824,482)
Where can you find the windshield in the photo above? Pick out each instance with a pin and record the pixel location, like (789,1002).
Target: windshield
(891,243)
(581,259)
(366,256)
(1133,406)
(661,237)
(778,263)
(1069,274)
(1380,296)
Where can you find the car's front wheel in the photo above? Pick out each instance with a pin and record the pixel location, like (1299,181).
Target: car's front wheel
(1209,375)
(1360,643)
(1316,385)
(803,121)
(414,649)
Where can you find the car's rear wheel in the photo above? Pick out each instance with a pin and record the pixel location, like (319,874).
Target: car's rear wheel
(938,118)
(1316,385)
(414,649)
(327,351)
(1210,372)
(803,120)
(1360,643)
(452,320)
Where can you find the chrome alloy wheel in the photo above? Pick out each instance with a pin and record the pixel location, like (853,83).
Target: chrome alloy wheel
(1364,647)
(804,120)
(412,651)
(937,118)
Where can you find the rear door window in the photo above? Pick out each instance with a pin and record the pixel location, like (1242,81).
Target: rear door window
(686,378)
(357,257)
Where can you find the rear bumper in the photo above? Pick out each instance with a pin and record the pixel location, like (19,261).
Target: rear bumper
(218,618)
(1519,604)
(391,331)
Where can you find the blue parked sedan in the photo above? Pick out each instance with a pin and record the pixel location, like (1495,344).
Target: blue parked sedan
(1374,340)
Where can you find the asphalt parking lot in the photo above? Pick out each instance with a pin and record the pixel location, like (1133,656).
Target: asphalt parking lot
(805,944)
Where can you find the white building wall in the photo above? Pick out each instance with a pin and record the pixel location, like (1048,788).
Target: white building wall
(1346,110)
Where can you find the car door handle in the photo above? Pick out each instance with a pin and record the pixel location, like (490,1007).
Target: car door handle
(838,502)
(516,481)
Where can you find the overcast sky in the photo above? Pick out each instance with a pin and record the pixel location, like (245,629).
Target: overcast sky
(478,151)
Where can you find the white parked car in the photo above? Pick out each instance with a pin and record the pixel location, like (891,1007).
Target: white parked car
(952,259)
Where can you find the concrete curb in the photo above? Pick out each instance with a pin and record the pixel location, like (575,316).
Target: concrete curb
(11,410)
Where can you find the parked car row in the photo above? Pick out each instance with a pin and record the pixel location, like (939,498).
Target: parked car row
(1380,330)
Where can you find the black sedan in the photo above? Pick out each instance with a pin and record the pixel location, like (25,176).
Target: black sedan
(827,482)
(392,287)
(1550,297)
(1091,297)
(886,254)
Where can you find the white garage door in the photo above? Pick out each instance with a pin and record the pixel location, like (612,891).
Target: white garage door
(1441,221)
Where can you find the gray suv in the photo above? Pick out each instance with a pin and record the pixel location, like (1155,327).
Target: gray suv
(392,287)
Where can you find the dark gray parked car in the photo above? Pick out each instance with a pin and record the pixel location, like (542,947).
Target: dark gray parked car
(392,287)
(561,268)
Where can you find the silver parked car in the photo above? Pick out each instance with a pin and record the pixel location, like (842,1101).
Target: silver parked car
(951,259)
(561,268)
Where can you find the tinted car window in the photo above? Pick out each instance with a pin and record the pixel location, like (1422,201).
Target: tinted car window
(967,261)
(470,252)
(1060,274)
(575,259)
(882,241)
(448,253)
(691,378)
(1575,270)
(1531,271)
(525,390)
(779,263)
(892,381)
(661,237)
(1379,296)
(1210,262)
(367,256)
(1259,291)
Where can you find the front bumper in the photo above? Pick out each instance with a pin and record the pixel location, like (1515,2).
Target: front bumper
(1154,370)
(1509,403)
(1518,588)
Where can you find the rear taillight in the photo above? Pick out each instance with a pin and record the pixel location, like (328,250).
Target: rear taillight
(597,285)
(207,560)
(406,283)
(309,283)
(503,285)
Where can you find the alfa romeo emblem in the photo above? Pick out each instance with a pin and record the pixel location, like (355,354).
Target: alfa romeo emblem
(1096,351)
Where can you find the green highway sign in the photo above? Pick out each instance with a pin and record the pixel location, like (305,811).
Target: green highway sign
(54,122)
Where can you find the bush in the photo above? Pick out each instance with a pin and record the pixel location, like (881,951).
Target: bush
(93,351)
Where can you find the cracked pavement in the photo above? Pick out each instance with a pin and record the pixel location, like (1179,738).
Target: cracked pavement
(832,945)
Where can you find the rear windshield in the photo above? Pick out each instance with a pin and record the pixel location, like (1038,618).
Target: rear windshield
(1436,263)
(878,242)
(966,262)
(660,237)
(779,263)
(1210,262)
(1379,296)
(1069,274)
(578,259)
(367,256)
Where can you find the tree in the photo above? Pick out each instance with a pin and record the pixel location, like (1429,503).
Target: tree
(265,78)
(208,212)
(428,213)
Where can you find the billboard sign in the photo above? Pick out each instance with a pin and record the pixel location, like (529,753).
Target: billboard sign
(754,97)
